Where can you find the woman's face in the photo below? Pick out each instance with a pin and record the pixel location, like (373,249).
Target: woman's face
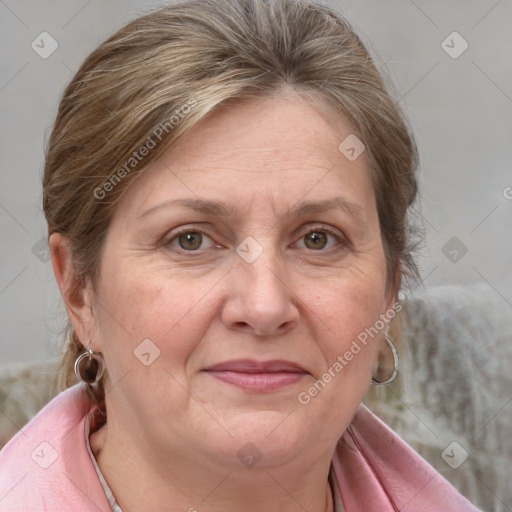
(235,273)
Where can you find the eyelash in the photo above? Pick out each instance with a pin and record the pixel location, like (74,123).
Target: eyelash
(342,242)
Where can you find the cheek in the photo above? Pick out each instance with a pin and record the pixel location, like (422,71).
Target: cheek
(337,389)
(140,306)
(350,310)
(352,303)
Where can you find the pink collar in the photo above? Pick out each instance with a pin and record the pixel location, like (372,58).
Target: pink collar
(377,470)
(47,466)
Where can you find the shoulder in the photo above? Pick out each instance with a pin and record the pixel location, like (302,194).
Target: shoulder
(46,464)
(375,466)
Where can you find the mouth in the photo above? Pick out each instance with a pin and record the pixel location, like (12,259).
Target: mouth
(260,376)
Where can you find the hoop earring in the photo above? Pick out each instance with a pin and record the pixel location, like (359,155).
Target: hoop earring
(89,367)
(395,361)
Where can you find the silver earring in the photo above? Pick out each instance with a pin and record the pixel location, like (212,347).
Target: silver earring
(89,367)
(395,361)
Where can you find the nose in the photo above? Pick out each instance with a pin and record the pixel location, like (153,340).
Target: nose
(261,299)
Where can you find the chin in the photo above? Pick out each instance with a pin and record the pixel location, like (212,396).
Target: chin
(272,437)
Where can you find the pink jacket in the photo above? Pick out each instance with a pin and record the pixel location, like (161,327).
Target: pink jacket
(46,467)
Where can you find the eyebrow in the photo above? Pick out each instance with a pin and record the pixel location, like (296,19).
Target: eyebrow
(301,209)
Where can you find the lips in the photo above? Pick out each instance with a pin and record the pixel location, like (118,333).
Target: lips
(262,376)
(252,366)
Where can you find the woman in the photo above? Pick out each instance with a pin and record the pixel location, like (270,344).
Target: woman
(226,189)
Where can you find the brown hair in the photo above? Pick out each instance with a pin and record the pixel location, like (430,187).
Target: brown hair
(158,76)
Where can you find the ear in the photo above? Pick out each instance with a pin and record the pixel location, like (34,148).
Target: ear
(77,295)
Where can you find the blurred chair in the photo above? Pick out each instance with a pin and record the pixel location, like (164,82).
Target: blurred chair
(24,390)
(453,396)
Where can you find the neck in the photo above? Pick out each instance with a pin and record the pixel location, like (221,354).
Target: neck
(140,481)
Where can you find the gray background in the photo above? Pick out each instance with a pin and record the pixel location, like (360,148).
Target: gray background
(460,110)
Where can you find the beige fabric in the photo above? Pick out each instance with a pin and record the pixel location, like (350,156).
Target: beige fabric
(24,389)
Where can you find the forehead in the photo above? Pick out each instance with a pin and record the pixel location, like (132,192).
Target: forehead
(277,131)
(276,151)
